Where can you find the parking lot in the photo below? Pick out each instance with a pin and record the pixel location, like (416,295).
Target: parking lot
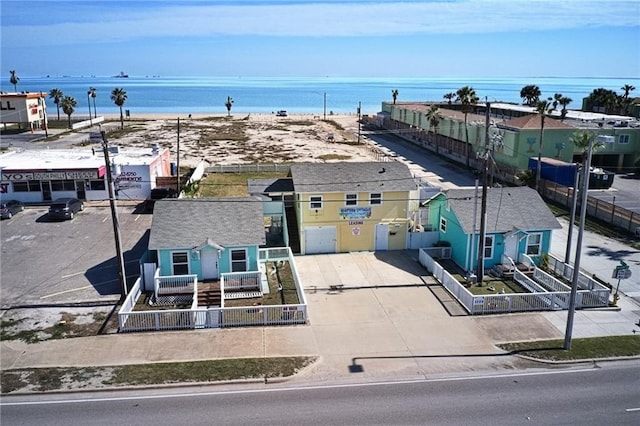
(72,261)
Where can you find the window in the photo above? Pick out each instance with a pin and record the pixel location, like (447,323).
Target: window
(30,186)
(238,260)
(488,247)
(351,200)
(534,244)
(315,202)
(63,185)
(623,139)
(443,225)
(20,186)
(375,198)
(97,185)
(180,263)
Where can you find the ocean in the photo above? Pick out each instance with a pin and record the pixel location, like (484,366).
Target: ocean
(186,95)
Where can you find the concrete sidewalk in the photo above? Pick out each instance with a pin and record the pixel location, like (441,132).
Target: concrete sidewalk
(386,323)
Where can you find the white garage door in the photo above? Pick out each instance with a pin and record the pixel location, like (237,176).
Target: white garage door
(320,239)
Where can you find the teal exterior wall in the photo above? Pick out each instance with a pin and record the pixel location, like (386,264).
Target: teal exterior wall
(464,247)
(195,264)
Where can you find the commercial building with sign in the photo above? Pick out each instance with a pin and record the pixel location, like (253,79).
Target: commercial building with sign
(342,207)
(27,110)
(40,176)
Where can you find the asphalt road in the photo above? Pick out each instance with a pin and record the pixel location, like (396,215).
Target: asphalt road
(70,261)
(607,394)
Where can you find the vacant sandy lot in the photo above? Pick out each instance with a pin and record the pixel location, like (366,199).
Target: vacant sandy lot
(253,138)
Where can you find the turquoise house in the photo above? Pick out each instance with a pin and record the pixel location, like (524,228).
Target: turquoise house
(207,236)
(517,222)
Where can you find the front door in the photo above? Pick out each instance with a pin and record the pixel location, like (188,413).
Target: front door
(511,247)
(46,190)
(382,236)
(209,259)
(80,190)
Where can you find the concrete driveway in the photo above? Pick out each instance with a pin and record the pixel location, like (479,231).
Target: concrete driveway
(386,323)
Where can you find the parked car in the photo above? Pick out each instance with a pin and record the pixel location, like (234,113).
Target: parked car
(158,194)
(9,208)
(281,113)
(65,208)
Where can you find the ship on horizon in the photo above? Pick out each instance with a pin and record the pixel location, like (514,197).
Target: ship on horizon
(121,75)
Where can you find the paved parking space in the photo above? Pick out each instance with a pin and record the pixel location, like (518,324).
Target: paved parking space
(70,261)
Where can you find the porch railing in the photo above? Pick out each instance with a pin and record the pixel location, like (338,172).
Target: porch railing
(240,281)
(175,284)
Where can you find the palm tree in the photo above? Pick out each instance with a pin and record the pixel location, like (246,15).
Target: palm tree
(229,104)
(530,94)
(68,104)
(467,97)
(543,108)
(449,97)
(581,140)
(564,101)
(394,95)
(434,116)
(56,95)
(14,79)
(602,100)
(92,91)
(626,101)
(119,97)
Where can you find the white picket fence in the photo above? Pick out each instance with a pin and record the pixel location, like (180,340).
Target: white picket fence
(194,318)
(538,300)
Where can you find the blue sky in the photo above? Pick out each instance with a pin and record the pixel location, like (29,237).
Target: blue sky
(411,38)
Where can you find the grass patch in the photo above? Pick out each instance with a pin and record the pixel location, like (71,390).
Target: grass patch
(207,371)
(67,327)
(335,124)
(232,184)
(48,379)
(588,348)
(329,157)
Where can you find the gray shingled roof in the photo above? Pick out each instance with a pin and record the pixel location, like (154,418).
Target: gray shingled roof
(270,186)
(347,176)
(191,222)
(507,209)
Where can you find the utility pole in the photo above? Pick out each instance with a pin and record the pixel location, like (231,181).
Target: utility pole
(574,201)
(325,105)
(483,205)
(178,161)
(359,119)
(114,219)
(576,264)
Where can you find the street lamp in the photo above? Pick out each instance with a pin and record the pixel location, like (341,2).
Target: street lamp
(576,263)
(114,218)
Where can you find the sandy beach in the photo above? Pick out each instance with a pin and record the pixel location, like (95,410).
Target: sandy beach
(249,138)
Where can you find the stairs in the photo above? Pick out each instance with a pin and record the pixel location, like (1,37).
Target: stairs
(209,294)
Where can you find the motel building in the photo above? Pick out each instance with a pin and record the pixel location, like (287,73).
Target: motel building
(27,110)
(41,176)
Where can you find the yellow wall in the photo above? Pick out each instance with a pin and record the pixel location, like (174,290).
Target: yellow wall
(358,234)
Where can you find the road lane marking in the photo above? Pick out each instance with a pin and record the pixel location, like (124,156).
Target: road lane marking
(290,389)
(72,275)
(632,409)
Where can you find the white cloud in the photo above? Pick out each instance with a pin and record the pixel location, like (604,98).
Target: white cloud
(327,20)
